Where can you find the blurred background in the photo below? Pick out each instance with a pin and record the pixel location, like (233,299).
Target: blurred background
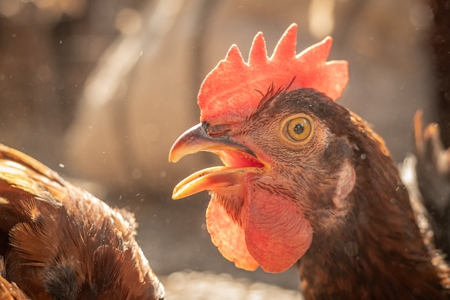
(99,91)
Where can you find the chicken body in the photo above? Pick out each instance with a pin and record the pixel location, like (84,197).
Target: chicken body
(60,242)
(330,201)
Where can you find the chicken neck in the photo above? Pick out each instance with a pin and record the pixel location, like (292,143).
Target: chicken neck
(374,250)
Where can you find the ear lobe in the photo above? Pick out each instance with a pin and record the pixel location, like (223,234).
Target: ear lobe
(345,184)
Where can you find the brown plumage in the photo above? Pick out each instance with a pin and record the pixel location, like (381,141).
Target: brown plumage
(9,291)
(372,247)
(365,241)
(60,242)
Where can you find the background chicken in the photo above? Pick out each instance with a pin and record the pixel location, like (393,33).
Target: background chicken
(60,242)
(305,180)
(427,176)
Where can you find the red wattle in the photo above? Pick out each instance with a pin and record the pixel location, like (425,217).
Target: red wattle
(276,233)
(228,236)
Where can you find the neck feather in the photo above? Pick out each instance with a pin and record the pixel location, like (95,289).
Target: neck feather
(376,250)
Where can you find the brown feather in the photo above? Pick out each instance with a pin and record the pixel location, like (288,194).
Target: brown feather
(60,242)
(9,290)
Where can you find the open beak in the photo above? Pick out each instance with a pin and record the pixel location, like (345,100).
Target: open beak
(237,158)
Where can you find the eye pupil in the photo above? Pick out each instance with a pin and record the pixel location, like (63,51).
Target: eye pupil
(299,128)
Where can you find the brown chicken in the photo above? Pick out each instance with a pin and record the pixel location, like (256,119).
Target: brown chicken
(305,181)
(432,172)
(60,242)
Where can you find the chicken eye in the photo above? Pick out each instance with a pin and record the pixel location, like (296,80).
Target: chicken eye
(297,128)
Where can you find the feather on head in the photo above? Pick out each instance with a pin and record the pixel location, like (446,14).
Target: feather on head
(232,90)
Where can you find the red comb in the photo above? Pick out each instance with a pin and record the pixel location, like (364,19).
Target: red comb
(232,90)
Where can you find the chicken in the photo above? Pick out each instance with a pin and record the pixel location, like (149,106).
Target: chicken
(60,242)
(431,166)
(305,182)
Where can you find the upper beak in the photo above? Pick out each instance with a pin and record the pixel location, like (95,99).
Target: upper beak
(197,139)
(238,160)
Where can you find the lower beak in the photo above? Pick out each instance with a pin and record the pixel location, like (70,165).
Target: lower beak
(211,179)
